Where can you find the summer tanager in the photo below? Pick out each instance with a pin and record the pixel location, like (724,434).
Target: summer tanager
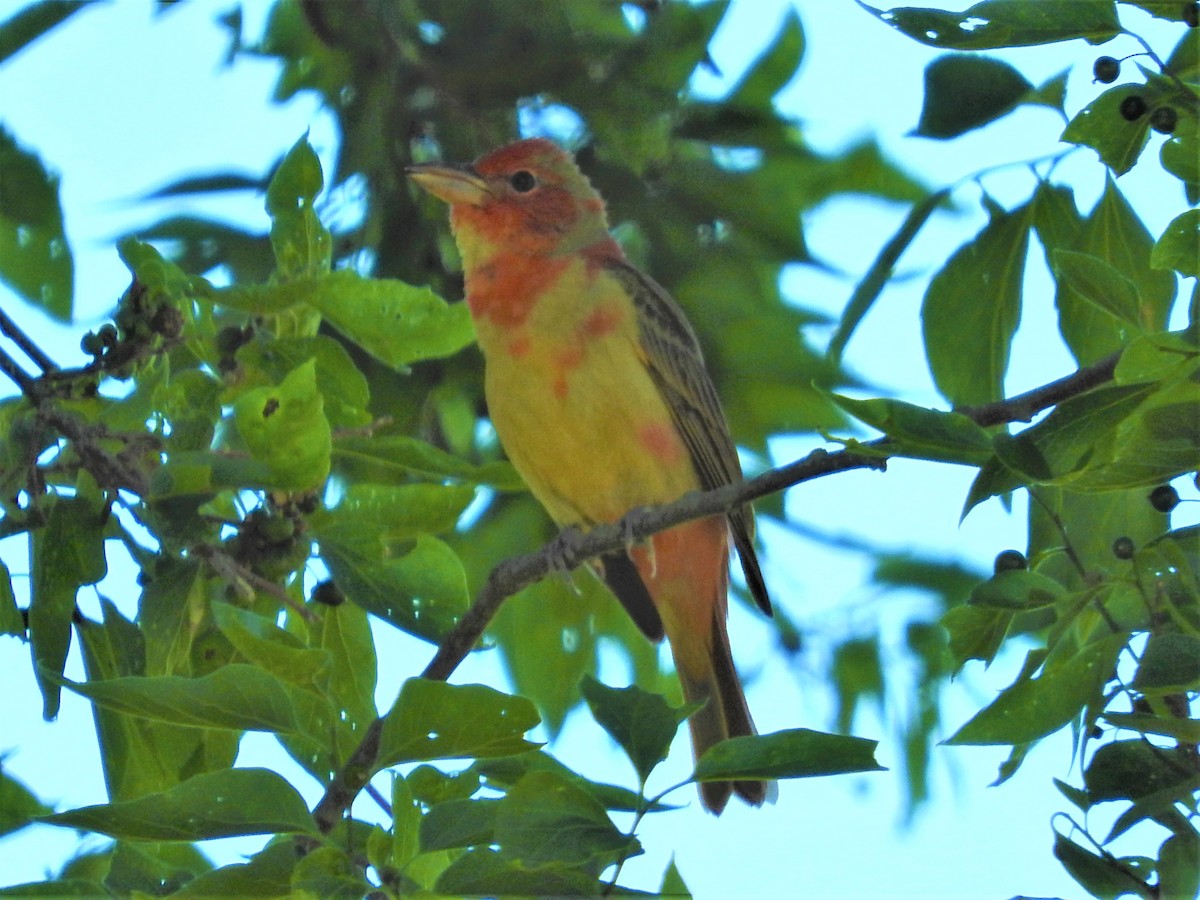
(597,389)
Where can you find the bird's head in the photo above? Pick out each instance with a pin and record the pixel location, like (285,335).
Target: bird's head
(528,198)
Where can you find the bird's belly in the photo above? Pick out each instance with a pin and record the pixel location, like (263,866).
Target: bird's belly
(588,430)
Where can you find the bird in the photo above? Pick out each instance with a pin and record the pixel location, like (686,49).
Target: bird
(598,392)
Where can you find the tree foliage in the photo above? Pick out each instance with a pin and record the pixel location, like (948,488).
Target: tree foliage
(307,403)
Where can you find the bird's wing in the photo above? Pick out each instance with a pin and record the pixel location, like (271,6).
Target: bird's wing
(676,364)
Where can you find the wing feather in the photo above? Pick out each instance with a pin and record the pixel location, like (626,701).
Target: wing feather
(676,364)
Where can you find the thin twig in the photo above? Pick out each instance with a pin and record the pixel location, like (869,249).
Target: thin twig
(234,572)
(10,330)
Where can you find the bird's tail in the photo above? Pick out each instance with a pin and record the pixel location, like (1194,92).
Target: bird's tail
(724,715)
(687,575)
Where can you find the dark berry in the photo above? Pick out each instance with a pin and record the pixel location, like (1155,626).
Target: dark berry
(1106,69)
(1122,548)
(1191,14)
(1164,498)
(1010,561)
(107,334)
(1133,108)
(328,593)
(92,344)
(1163,119)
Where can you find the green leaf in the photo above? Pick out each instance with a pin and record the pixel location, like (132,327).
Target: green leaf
(1179,246)
(643,724)
(66,887)
(151,868)
(235,696)
(546,819)
(341,385)
(432,786)
(963,92)
(971,309)
(11,621)
(1180,729)
(345,635)
(303,246)
(774,68)
(266,874)
(269,647)
(434,720)
(397,323)
(795,753)
(1184,61)
(1101,126)
(459,823)
(1035,707)
(1098,282)
(1131,770)
(1051,93)
(1112,233)
(1005,23)
(508,770)
(218,804)
(1178,874)
(1101,876)
(35,259)
(672,882)
(285,427)
(67,553)
(18,805)
(1017,590)
(921,433)
(858,675)
(377,549)
(30,23)
(388,459)
(328,872)
(976,632)
(483,871)
(1169,664)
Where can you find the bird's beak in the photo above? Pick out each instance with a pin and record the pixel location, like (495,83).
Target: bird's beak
(454,184)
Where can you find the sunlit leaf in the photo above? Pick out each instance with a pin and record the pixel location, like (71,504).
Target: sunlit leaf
(236,696)
(1033,708)
(1179,246)
(643,724)
(548,819)
(435,720)
(1005,23)
(67,553)
(285,427)
(795,753)
(220,804)
(971,309)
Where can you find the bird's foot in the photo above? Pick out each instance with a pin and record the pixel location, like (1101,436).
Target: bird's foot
(628,527)
(563,554)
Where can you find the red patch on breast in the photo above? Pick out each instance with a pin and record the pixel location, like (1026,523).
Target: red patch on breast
(661,441)
(505,291)
(600,321)
(519,346)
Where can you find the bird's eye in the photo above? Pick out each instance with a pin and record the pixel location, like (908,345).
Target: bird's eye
(523,181)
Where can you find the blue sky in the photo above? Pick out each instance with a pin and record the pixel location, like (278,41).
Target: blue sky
(69,98)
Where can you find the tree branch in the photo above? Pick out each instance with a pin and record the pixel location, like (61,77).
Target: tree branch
(571,548)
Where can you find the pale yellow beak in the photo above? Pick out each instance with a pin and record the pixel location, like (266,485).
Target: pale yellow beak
(449,183)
